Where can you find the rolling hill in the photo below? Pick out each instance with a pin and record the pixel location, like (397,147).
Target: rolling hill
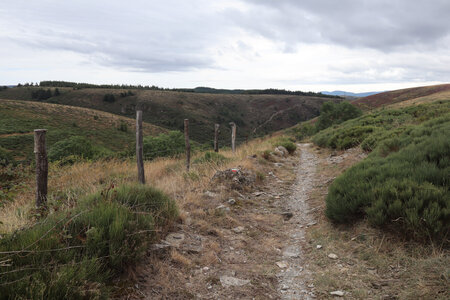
(255,115)
(18,119)
(406,96)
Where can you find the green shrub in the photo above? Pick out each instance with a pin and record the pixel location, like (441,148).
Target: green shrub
(370,129)
(169,144)
(335,113)
(67,150)
(403,184)
(302,131)
(75,145)
(75,254)
(211,157)
(286,143)
(109,98)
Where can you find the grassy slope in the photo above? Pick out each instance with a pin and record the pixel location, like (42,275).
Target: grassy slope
(373,127)
(168,109)
(411,95)
(18,119)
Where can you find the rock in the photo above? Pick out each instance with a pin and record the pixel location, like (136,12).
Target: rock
(282,264)
(311,223)
(284,152)
(210,194)
(257,194)
(337,293)
(284,287)
(287,215)
(291,251)
(228,281)
(239,229)
(174,239)
(332,256)
(192,249)
(236,178)
(222,208)
(231,201)
(319,246)
(278,152)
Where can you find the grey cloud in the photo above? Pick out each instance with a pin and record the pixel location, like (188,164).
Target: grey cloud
(383,25)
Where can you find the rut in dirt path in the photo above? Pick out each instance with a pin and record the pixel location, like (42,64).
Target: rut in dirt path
(293,282)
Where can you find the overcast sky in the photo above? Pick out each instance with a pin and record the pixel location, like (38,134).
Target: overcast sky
(313,45)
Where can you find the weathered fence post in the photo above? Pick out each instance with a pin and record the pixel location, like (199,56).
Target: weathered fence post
(233,137)
(188,145)
(140,147)
(40,152)
(216,137)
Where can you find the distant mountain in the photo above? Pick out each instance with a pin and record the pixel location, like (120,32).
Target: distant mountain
(347,94)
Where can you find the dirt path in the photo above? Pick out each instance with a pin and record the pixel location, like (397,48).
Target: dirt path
(240,244)
(293,280)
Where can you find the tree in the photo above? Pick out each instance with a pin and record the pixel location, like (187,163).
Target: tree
(334,113)
(109,98)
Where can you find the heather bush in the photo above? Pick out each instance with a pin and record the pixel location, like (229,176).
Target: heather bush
(74,254)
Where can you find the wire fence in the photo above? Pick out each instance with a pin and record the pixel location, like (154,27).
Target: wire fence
(198,132)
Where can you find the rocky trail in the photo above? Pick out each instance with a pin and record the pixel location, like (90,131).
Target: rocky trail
(293,280)
(242,244)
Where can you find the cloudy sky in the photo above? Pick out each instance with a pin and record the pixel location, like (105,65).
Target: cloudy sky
(314,45)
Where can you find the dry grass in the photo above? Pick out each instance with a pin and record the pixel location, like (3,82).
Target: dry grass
(67,184)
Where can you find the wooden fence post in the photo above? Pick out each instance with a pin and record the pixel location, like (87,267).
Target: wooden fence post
(40,152)
(233,137)
(216,137)
(188,145)
(140,147)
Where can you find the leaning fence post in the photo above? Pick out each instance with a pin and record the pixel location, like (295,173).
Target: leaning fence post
(41,167)
(233,137)
(188,145)
(140,147)
(216,137)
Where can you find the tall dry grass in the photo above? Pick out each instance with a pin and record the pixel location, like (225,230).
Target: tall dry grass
(68,183)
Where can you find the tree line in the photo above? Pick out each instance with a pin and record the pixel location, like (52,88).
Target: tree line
(208,90)
(42,94)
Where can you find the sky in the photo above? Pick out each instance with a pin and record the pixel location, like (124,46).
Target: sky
(308,45)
